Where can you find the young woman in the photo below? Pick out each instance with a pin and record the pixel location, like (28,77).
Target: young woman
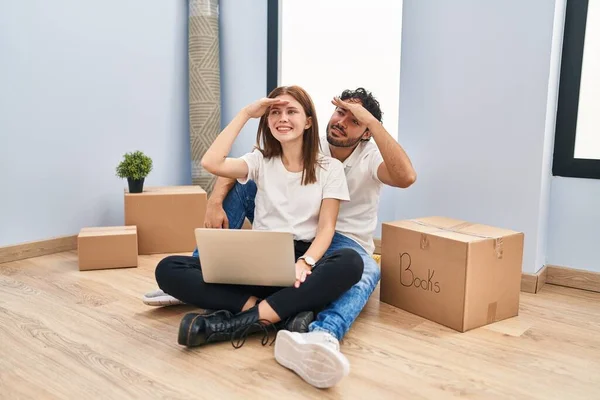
(298,190)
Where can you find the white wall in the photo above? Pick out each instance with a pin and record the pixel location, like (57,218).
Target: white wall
(83,83)
(325,64)
(550,128)
(574,227)
(243,37)
(473,106)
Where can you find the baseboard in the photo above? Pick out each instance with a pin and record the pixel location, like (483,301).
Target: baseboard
(573,278)
(532,283)
(38,248)
(561,276)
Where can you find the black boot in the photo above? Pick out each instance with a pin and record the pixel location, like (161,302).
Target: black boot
(197,329)
(297,323)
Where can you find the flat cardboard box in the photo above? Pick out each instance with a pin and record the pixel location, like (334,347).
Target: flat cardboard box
(458,274)
(107,247)
(166,217)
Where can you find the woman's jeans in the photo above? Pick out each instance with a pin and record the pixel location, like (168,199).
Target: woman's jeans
(338,316)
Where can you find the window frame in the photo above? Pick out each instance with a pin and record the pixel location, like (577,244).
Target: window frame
(564,162)
(272,45)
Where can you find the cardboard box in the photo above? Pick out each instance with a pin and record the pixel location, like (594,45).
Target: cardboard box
(107,247)
(452,272)
(166,217)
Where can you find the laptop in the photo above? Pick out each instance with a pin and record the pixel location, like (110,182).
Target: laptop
(246,256)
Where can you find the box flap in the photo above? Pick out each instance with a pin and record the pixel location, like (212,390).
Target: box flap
(453,229)
(158,190)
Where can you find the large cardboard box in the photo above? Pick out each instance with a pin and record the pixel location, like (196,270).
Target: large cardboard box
(458,274)
(166,217)
(107,247)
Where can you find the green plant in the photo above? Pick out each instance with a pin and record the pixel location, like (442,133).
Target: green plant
(134,165)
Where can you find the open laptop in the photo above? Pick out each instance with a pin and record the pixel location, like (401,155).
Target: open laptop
(246,257)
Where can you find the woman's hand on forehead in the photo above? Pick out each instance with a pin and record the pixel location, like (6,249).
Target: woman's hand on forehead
(260,107)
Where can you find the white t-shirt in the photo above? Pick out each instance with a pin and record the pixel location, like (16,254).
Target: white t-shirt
(283,204)
(358,218)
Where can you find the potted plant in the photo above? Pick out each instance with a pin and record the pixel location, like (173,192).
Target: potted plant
(135,167)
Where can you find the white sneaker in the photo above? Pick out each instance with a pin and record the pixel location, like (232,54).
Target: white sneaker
(314,356)
(159,298)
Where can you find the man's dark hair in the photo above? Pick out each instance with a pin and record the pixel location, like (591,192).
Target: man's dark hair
(366,98)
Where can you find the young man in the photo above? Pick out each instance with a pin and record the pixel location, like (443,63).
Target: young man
(368,166)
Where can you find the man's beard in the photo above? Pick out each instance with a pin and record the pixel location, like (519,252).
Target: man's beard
(341,142)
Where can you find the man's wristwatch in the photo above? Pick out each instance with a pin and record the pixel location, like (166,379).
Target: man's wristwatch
(308,260)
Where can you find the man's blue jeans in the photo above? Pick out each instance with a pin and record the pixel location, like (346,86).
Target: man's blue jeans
(338,316)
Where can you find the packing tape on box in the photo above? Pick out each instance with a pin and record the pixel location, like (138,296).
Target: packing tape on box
(458,228)
(424,241)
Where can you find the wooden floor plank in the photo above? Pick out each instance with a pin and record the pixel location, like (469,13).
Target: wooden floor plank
(70,334)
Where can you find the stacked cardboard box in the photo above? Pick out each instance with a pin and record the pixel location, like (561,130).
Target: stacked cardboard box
(458,274)
(158,220)
(166,217)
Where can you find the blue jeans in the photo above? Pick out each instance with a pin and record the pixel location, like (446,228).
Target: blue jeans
(338,316)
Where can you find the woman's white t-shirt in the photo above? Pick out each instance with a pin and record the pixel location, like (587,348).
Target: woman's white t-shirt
(282,203)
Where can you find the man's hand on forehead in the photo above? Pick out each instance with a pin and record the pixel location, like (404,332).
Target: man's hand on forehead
(343,104)
(355,107)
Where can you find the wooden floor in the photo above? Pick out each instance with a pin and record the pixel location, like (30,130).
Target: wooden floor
(86,335)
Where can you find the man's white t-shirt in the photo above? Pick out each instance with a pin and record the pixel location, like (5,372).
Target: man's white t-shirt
(283,204)
(358,217)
